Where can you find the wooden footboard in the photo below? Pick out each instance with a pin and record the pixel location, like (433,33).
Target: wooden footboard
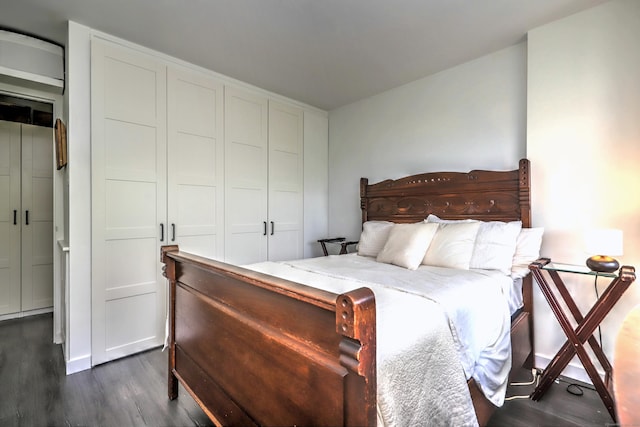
(254,349)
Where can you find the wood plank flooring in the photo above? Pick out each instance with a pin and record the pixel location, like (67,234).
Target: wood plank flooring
(34,390)
(557,407)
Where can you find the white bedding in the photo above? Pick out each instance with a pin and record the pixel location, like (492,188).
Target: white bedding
(461,313)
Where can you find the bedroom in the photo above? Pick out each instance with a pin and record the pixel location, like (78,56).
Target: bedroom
(579,69)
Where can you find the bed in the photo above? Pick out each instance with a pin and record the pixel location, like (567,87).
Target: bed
(256,349)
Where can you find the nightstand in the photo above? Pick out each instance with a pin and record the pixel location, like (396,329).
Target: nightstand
(586,325)
(344,244)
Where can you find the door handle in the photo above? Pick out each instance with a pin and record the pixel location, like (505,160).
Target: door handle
(26,217)
(15,217)
(162,232)
(264,233)
(273,228)
(173,232)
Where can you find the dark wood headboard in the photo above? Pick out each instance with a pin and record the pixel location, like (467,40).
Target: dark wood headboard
(479,194)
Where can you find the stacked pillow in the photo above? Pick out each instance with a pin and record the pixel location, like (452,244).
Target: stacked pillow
(374,236)
(495,243)
(407,244)
(527,250)
(462,244)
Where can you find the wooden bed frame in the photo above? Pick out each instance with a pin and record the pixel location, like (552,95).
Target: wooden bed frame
(254,349)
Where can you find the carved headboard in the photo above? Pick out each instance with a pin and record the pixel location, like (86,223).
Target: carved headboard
(479,194)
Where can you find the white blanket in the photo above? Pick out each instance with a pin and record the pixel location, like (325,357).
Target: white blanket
(426,350)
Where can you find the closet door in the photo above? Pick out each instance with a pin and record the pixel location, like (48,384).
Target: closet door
(286,236)
(128,152)
(246,155)
(37,217)
(10,217)
(195,163)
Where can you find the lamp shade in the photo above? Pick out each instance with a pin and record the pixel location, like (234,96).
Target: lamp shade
(603,244)
(604,241)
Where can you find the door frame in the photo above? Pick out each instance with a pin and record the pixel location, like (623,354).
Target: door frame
(59,209)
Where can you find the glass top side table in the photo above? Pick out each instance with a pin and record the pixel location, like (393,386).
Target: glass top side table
(586,325)
(577,269)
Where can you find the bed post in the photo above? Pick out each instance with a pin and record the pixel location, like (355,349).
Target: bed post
(169,271)
(364,202)
(356,322)
(524,192)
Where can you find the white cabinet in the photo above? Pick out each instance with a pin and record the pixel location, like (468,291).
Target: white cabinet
(263,178)
(178,157)
(156,179)
(26,217)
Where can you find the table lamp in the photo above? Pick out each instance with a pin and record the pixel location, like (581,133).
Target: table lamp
(606,243)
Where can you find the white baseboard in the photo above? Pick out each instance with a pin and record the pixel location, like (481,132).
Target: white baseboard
(22,314)
(78,364)
(573,370)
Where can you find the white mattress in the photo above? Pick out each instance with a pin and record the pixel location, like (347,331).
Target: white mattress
(473,304)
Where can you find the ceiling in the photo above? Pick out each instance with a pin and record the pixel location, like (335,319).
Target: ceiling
(326,53)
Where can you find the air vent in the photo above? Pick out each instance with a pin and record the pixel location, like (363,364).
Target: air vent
(29,61)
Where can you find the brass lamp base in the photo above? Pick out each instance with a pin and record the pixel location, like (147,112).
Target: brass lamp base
(602,264)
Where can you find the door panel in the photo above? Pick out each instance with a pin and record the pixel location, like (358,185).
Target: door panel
(195,174)
(285,181)
(246,177)
(126,321)
(130,210)
(129,204)
(131,154)
(37,216)
(10,233)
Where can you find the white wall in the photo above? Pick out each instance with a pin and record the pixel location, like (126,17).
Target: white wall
(568,99)
(583,132)
(470,116)
(78,105)
(316,181)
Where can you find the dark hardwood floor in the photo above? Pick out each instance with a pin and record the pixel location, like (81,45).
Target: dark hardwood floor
(34,390)
(557,407)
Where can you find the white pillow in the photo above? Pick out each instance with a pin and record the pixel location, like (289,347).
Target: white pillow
(528,246)
(452,245)
(495,243)
(373,237)
(435,218)
(407,244)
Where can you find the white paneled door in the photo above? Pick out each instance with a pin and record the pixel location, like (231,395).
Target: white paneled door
(128,151)
(195,164)
(10,217)
(286,236)
(246,156)
(37,216)
(26,217)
